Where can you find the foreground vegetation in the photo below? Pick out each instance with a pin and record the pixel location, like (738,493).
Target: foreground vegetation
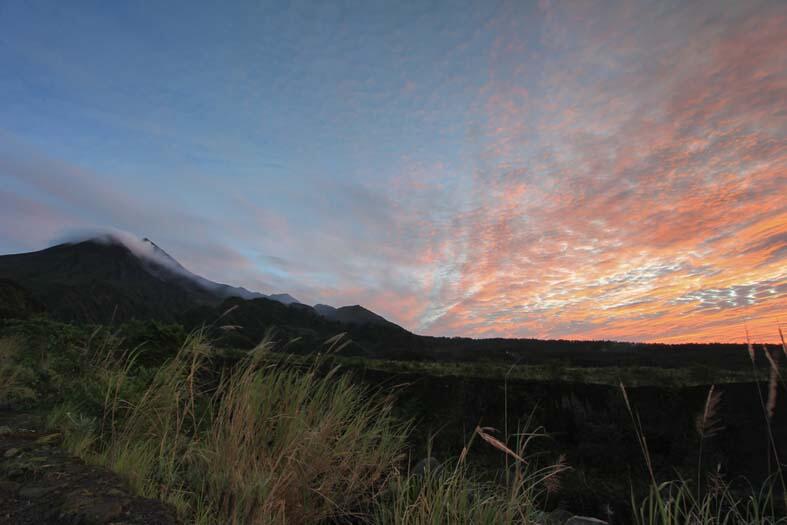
(257,437)
(559,371)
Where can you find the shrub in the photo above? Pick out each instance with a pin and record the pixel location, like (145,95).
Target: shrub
(15,378)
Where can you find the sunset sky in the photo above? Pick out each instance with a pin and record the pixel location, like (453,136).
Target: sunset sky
(585,169)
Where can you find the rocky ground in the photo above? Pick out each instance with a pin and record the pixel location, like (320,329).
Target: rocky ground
(40,483)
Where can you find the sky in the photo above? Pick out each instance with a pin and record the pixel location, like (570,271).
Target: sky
(589,169)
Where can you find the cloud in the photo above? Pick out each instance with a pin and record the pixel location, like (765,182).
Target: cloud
(142,248)
(651,181)
(608,170)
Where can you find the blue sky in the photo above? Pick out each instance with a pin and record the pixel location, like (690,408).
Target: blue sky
(553,169)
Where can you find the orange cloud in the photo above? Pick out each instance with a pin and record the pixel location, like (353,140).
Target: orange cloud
(643,200)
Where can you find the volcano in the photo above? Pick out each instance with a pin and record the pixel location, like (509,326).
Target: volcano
(116,278)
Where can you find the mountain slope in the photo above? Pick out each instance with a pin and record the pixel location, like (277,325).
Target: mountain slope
(164,266)
(283,298)
(16,301)
(110,278)
(98,282)
(355,314)
(243,324)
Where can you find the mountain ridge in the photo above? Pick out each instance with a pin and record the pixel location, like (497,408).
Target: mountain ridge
(111,277)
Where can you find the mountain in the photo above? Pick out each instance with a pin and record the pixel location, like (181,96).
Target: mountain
(239,323)
(161,264)
(284,298)
(16,301)
(97,282)
(112,278)
(356,314)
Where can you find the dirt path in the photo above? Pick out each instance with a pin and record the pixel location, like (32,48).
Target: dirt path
(41,483)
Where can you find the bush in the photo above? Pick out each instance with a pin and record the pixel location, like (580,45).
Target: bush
(15,378)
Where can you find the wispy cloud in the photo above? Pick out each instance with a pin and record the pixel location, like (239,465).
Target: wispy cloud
(644,180)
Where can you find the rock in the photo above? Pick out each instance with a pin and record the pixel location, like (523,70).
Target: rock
(103,512)
(585,520)
(426,465)
(558,517)
(79,496)
(49,438)
(41,483)
(8,487)
(34,492)
(5,429)
(92,511)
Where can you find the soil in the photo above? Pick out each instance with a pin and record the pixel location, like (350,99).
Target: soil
(41,483)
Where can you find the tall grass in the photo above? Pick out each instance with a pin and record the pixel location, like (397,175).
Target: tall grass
(263,440)
(15,379)
(252,443)
(768,407)
(713,501)
(674,502)
(451,493)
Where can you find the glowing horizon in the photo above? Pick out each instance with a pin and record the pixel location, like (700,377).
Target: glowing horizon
(596,170)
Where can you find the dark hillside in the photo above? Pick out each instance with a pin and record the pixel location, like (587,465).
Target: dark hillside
(590,353)
(17,301)
(243,324)
(103,280)
(95,282)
